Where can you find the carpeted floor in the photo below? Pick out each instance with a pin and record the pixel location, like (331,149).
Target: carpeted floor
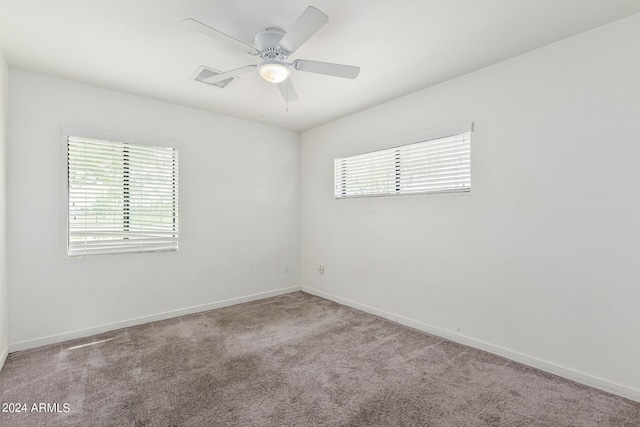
(293,360)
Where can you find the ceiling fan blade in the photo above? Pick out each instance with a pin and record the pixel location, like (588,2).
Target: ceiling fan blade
(338,70)
(307,24)
(288,91)
(201,28)
(228,74)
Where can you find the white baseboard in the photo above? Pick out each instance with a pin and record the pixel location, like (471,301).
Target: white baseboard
(81,333)
(561,371)
(3,356)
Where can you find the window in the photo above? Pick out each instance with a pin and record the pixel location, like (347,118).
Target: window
(123,197)
(433,166)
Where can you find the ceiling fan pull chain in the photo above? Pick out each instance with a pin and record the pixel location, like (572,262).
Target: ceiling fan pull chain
(262,100)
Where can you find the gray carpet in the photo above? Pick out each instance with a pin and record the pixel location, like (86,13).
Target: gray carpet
(293,360)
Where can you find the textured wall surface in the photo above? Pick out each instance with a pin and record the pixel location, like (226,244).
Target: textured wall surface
(239,213)
(540,261)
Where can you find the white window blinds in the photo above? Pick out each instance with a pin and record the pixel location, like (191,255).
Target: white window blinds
(434,166)
(123,197)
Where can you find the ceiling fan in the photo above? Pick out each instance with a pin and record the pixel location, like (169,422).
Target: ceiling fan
(273,46)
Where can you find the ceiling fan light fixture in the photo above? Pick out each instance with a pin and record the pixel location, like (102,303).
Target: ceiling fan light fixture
(274,71)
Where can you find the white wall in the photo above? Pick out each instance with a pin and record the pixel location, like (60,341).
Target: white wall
(4,317)
(541,262)
(239,214)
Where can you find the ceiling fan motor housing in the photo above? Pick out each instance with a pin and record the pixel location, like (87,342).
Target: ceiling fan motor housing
(268,39)
(274,67)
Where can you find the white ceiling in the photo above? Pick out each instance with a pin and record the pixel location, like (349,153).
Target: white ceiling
(139,46)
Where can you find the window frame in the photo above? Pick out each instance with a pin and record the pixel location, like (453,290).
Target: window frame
(117,137)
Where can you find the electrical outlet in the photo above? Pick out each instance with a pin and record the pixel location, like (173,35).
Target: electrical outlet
(321,269)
